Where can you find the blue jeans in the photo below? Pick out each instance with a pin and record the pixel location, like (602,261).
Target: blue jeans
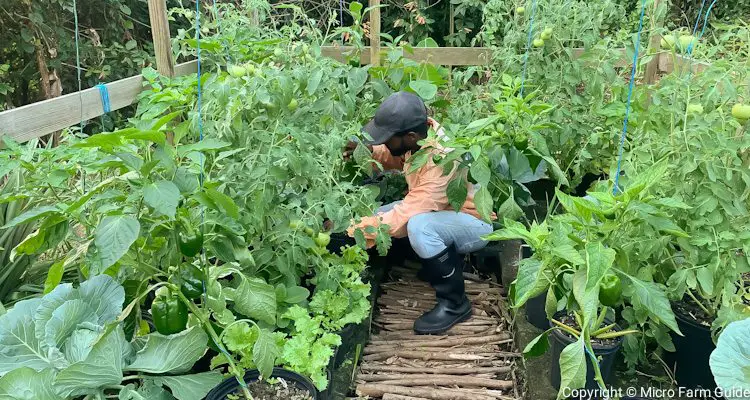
(431,233)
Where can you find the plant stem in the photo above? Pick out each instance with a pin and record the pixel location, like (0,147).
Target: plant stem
(692,296)
(566,328)
(210,329)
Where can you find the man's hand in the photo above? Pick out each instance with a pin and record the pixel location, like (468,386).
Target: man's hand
(351,146)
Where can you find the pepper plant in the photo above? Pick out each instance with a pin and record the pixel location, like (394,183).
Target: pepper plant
(583,255)
(500,154)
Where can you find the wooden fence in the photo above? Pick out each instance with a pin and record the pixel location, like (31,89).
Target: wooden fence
(50,116)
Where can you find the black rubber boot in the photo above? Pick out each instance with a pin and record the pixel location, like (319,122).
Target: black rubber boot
(446,270)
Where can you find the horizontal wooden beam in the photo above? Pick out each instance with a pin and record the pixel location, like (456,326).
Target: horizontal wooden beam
(42,118)
(455,56)
(669,63)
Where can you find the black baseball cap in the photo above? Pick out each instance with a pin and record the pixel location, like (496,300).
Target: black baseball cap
(400,112)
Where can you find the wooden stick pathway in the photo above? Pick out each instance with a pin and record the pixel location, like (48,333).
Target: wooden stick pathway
(475,360)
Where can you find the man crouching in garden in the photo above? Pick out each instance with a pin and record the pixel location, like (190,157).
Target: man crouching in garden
(437,233)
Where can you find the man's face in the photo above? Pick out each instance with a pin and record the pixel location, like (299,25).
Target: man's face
(400,145)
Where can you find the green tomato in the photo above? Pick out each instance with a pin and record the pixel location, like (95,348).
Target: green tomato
(686,41)
(309,231)
(741,111)
(546,33)
(322,239)
(295,224)
(538,42)
(695,109)
(667,42)
(236,71)
(250,69)
(520,10)
(293,104)
(277,52)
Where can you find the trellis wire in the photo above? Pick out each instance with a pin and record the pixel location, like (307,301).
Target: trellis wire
(630,98)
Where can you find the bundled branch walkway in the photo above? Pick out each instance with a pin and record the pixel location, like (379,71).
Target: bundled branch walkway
(475,360)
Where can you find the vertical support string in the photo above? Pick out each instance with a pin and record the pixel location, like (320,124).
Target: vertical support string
(630,97)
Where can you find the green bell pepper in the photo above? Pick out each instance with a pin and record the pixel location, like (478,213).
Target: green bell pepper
(190,280)
(610,290)
(190,240)
(170,314)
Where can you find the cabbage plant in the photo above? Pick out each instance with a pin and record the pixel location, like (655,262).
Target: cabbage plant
(71,343)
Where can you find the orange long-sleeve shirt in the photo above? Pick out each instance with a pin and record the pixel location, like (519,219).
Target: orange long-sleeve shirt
(427,190)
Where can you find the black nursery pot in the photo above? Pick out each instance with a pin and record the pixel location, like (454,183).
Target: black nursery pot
(535,313)
(559,340)
(230,386)
(692,353)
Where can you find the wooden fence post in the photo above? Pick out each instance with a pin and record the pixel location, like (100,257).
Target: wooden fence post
(375,32)
(157,11)
(652,68)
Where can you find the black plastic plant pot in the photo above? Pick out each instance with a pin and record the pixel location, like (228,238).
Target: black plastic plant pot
(535,313)
(608,354)
(231,386)
(692,352)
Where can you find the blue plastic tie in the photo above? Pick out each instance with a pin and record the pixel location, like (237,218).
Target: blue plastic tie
(104,94)
(528,46)
(630,97)
(78,73)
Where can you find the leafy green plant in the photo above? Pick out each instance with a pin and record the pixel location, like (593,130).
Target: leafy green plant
(500,153)
(70,343)
(576,253)
(729,361)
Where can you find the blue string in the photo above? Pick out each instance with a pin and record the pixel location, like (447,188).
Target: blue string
(705,20)
(104,94)
(528,46)
(695,27)
(630,97)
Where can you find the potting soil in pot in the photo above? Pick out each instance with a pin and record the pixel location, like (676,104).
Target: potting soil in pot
(280,390)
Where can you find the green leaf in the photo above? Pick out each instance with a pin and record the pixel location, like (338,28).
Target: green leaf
(706,279)
(27,384)
(162,196)
(665,225)
(171,354)
(296,294)
(480,124)
(530,281)
(509,209)
(513,230)
(652,298)
(480,171)
(190,387)
(569,254)
(21,347)
(671,203)
(424,89)
(256,299)
(537,346)
(32,215)
(730,361)
(165,120)
(457,192)
(131,44)
(224,202)
(265,352)
(114,236)
(102,366)
(572,367)
(483,203)
(203,145)
(314,81)
(356,79)
(599,260)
